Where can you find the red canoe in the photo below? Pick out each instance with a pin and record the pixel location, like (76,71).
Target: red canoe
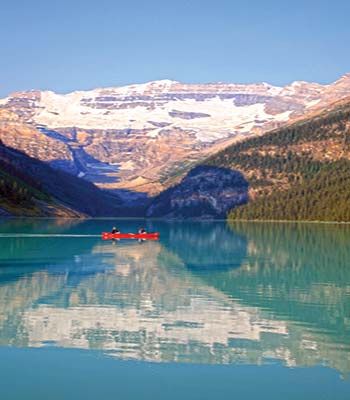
(108,235)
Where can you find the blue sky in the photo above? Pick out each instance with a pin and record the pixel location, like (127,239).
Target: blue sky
(67,45)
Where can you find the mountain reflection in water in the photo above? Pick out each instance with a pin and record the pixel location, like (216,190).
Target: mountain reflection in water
(206,293)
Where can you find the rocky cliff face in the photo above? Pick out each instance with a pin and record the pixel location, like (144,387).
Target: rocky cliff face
(206,192)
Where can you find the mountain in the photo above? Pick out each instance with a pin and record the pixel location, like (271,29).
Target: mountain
(29,187)
(146,137)
(299,172)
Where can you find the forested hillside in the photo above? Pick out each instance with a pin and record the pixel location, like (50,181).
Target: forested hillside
(19,194)
(32,188)
(300,172)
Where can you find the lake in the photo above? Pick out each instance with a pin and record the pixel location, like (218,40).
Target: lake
(211,310)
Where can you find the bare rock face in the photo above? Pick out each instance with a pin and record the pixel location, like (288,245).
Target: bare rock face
(145,137)
(25,137)
(206,192)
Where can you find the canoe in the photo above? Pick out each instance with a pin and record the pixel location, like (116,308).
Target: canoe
(109,235)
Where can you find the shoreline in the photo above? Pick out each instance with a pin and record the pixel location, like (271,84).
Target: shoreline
(5,217)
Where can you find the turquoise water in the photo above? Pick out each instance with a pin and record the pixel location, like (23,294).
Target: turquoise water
(210,311)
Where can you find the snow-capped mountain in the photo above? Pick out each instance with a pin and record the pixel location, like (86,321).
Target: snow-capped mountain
(137,136)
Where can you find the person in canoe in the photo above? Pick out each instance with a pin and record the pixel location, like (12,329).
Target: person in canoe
(140,232)
(115,230)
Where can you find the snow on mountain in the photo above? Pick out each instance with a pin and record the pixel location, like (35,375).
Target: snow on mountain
(211,119)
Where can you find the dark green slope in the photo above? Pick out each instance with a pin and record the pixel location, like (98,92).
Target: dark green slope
(300,172)
(31,187)
(18,196)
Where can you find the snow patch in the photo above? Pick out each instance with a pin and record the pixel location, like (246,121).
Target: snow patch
(312,103)
(128,165)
